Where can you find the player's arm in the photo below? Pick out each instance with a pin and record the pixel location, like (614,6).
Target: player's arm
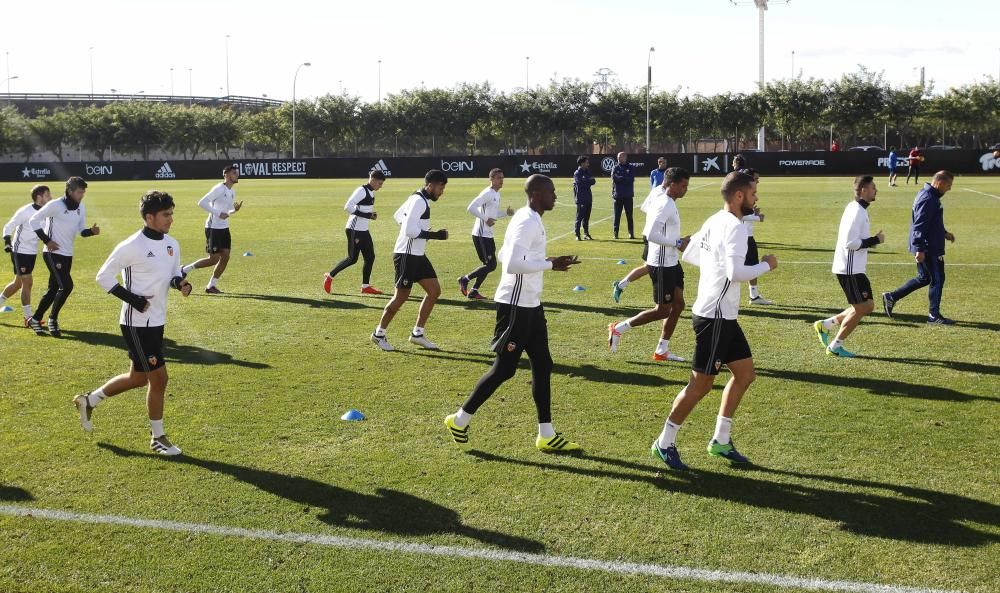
(657,235)
(107,278)
(353,204)
(520,261)
(179,279)
(37,220)
(922,216)
(205,203)
(87,232)
(475,207)
(735,258)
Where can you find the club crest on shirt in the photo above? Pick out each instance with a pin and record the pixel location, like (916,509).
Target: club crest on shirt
(406,283)
(864,294)
(151,360)
(511,346)
(24,270)
(58,266)
(170,250)
(718,364)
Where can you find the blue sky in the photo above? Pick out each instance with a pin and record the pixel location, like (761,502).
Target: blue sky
(705,46)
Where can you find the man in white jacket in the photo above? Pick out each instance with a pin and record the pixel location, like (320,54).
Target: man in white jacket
(850,258)
(411,263)
(486,208)
(220,203)
(521,323)
(719,249)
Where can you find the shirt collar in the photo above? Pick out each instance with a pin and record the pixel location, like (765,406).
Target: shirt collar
(150,233)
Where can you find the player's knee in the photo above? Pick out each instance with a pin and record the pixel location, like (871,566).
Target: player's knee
(67,286)
(503,373)
(26,281)
(543,365)
(491,264)
(865,307)
(393,306)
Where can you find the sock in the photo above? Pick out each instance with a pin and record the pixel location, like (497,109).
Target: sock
(836,343)
(753,292)
(545,430)
(212,281)
(417,330)
(663,347)
(157,426)
(623,283)
(669,435)
(95,397)
(830,323)
(27,310)
(187,269)
(363,286)
(3,300)
(462,418)
(722,427)
(623,327)
(380,331)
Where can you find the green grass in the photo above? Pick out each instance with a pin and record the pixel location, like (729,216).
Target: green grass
(878,469)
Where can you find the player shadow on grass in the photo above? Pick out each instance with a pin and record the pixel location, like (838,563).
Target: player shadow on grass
(172,351)
(291,300)
(903,513)
(386,511)
(877,386)
(955,365)
(14,494)
(550,307)
(587,372)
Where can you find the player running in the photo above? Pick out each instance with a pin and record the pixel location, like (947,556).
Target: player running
(22,245)
(360,208)
(486,208)
(220,203)
(149,263)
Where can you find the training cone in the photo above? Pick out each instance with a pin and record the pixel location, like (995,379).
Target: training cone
(579,288)
(353,415)
(621,262)
(247,254)
(6,309)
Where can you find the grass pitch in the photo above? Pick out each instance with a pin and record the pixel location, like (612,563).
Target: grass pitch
(879,469)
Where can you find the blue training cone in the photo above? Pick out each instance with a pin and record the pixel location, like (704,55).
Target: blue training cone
(247,254)
(621,262)
(579,288)
(353,415)
(6,309)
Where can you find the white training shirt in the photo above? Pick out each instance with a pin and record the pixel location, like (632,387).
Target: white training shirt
(218,200)
(413,217)
(748,221)
(523,259)
(362,200)
(654,195)
(849,257)
(146,266)
(662,230)
(61,224)
(484,207)
(22,239)
(720,250)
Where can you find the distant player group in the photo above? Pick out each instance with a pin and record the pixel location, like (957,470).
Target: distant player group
(148,264)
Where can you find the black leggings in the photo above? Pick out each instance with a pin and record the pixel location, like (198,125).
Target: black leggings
(60,284)
(626,205)
(358,242)
(486,249)
(519,330)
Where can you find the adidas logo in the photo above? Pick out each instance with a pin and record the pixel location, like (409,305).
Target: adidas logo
(150,254)
(381,167)
(165,172)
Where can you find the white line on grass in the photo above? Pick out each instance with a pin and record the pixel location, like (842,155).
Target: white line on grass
(656,570)
(609,218)
(824,263)
(982,193)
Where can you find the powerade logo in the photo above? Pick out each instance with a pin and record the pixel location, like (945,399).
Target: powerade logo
(989,162)
(803,163)
(98,170)
(273,169)
(33,173)
(537,167)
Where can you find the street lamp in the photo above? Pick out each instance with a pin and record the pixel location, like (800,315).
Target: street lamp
(380,81)
(91,51)
(294,79)
(526,61)
(171,82)
(190,88)
(9,78)
(649,83)
(227,65)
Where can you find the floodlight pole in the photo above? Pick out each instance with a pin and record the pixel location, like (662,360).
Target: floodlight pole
(527,60)
(649,83)
(227,65)
(294,79)
(761,8)
(91,51)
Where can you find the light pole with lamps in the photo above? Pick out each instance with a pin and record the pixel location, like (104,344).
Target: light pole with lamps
(9,78)
(171,82)
(294,79)
(380,81)
(527,59)
(649,83)
(90,50)
(190,87)
(227,65)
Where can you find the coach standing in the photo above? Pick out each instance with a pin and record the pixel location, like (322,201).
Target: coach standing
(622,192)
(583,181)
(927,237)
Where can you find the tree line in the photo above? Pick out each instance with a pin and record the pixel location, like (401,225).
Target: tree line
(567,116)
